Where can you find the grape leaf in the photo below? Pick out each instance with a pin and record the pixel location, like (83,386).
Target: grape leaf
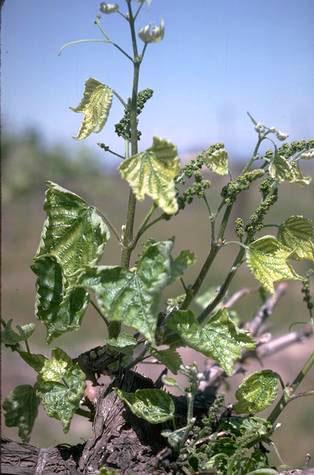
(132,296)
(95,105)
(152,173)
(11,338)
(297,233)
(219,338)
(257,392)
(36,361)
(267,259)
(20,410)
(60,387)
(282,169)
(73,232)
(216,159)
(170,358)
(184,260)
(59,306)
(153,405)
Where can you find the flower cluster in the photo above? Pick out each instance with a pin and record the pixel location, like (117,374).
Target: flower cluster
(123,128)
(239,184)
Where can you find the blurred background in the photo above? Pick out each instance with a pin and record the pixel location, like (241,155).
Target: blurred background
(218,60)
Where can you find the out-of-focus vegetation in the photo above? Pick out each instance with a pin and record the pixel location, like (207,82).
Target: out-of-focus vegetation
(27,163)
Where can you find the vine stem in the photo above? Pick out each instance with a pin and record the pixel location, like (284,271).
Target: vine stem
(289,393)
(100,313)
(128,234)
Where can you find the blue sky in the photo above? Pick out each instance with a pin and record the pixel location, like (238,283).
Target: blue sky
(219,58)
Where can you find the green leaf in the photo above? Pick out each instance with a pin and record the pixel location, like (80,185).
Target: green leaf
(257,392)
(60,387)
(216,159)
(267,259)
(297,233)
(169,358)
(153,405)
(124,343)
(59,306)
(132,297)
(20,410)
(95,106)
(219,338)
(184,260)
(264,471)
(36,361)
(153,172)
(11,338)
(282,169)
(73,231)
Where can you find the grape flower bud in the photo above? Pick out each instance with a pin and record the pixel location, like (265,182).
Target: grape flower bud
(281,135)
(108,7)
(152,33)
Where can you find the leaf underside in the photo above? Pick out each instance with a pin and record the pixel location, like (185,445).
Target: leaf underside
(95,106)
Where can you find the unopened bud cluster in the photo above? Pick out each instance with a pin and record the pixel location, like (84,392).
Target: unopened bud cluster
(108,8)
(303,147)
(123,128)
(152,33)
(239,184)
(306,291)
(239,228)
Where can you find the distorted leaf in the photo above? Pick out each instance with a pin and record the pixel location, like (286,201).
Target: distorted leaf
(10,337)
(170,358)
(59,306)
(184,260)
(60,387)
(153,405)
(20,410)
(152,173)
(216,159)
(36,361)
(257,392)
(132,297)
(95,106)
(219,338)
(73,232)
(297,233)
(267,259)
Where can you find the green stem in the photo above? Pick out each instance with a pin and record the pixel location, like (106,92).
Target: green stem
(250,162)
(223,289)
(128,235)
(100,313)
(143,226)
(27,346)
(110,225)
(289,394)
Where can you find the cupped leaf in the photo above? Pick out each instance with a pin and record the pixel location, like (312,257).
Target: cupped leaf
(153,172)
(219,338)
(267,259)
(283,169)
(73,231)
(36,361)
(184,260)
(20,410)
(170,358)
(60,387)
(59,306)
(132,297)
(216,159)
(12,338)
(297,233)
(153,405)
(95,106)
(124,343)
(257,392)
